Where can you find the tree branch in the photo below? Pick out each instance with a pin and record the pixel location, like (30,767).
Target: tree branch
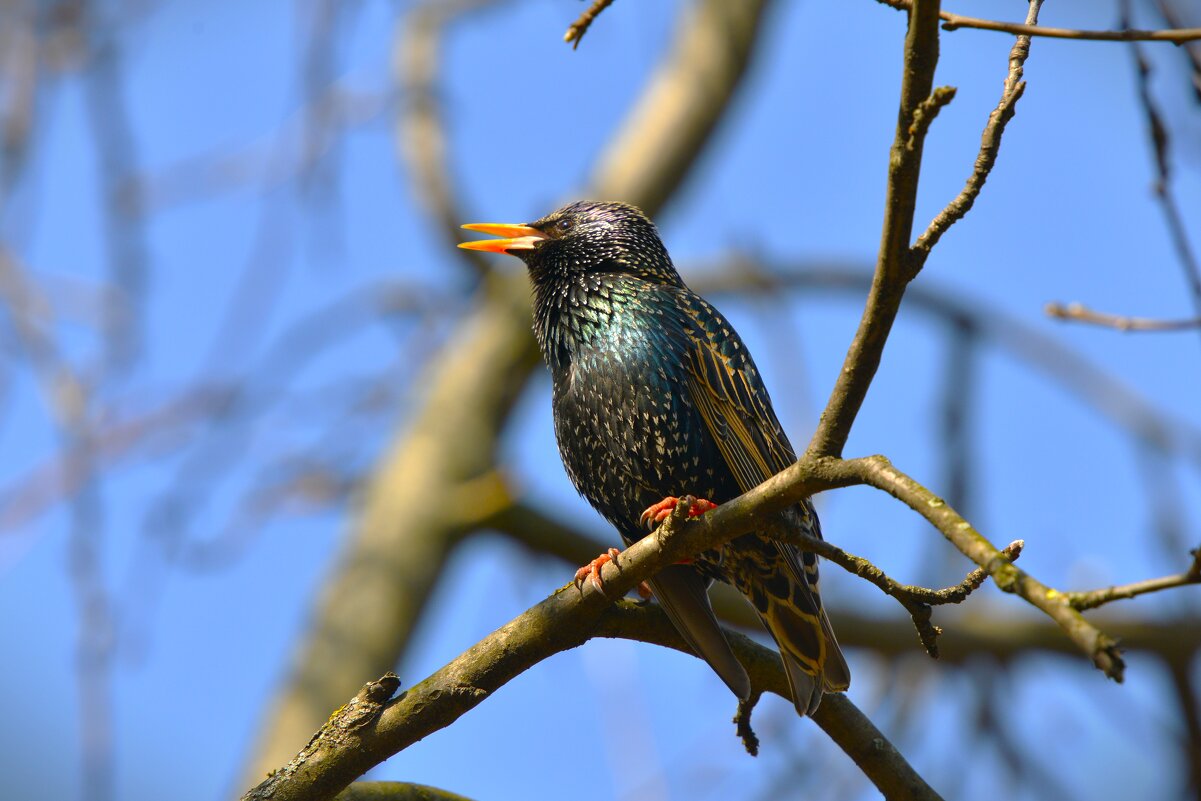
(1094,598)
(990,146)
(348,746)
(564,620)
(580,27)
(879,473)
(974,634)
(1157,132)
(916,600)
(953,22)
(1078,312)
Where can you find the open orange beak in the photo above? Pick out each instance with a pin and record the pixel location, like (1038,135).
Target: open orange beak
(516,237)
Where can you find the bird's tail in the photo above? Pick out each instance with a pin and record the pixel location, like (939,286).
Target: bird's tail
(784,591)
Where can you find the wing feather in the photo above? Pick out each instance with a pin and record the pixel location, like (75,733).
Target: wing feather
(725,388)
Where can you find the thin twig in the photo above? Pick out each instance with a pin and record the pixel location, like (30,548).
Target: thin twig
(955,21)
(1191,50)
(878,472)
(1190,710)
(742,724)
(990,146)
(1094,598)
(1157,131)
(580,27)
(1078,312)
(916,600)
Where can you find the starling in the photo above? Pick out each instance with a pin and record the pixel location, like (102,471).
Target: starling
(656,397)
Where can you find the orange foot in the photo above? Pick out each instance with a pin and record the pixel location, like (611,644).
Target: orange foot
(592,571)
(658,513)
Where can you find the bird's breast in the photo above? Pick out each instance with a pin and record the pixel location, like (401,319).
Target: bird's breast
(627,431)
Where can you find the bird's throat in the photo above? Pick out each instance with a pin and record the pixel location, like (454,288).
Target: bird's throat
(577,312)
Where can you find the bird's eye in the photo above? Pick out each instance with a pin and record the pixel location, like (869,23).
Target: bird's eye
(563,225)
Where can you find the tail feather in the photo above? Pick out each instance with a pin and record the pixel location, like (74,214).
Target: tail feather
(683,594)
(806,690)
(813,662)
(782,585)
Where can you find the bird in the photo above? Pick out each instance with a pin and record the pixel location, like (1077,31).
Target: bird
(655,398)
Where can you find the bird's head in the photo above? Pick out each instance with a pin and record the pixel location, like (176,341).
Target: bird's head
(584,237)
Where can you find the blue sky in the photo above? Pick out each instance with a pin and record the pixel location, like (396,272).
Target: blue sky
(795,175)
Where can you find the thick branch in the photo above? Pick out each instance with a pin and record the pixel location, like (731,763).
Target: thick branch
(683,103)
(563,621)
(973,634)
(570,617)
(420,127)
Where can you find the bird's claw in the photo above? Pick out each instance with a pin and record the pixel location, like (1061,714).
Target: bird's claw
(654,515)
(592,570)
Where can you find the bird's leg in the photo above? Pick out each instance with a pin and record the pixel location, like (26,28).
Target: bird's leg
(592,572)
(654,515)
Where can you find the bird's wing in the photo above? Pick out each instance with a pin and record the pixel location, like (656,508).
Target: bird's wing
(726,389)
(724,385)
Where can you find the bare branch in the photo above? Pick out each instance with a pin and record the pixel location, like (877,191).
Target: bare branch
(682,104)
(1102,649)
(1190,710)
(1078,312)
(990,146)
(1191,52)
(916,600)
(580,27)
(567,619)
(1094,598)
(1157,132)
(976,634)
(953,22)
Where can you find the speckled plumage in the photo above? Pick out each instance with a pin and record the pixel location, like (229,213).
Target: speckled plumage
(656,395)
